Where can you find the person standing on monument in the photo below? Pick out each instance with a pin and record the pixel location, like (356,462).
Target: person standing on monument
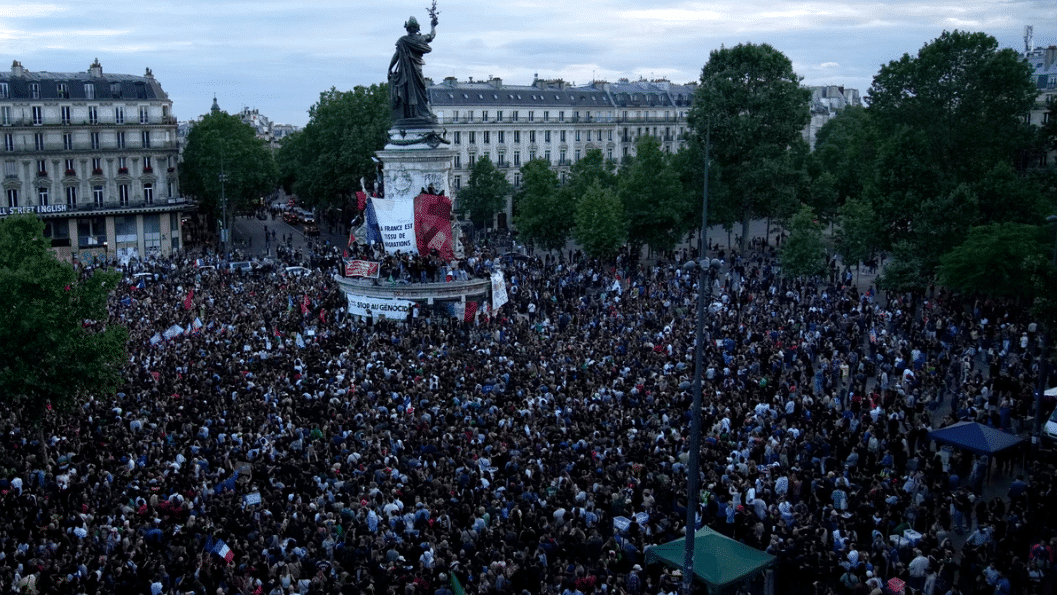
(408,96)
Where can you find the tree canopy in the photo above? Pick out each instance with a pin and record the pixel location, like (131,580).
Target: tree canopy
(324,163)
(601,228)
(485,193)
(804,253)
(994,261)
(953,127)
(541,216)
(67,347)
(655,205)
(222,143)
(751,100)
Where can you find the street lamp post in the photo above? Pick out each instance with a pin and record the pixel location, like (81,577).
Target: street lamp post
(224,212)
(706,270)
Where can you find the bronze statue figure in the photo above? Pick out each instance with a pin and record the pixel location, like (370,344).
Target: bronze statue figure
(408,96)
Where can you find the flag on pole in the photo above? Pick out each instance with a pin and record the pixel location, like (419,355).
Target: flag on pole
(300,341)
(471,311)
(304,304)
(189,299)
(221,549)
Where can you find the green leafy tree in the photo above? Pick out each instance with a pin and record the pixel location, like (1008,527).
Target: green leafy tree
(592,168)
(756,109)
(485,193)
(63,347)
(856,235)
(333,153)
(221,143)
(967,96)
(804,253)
(689,164)
(656,208)
(842,161)
(601,228)
(994,261)
(288,160)
(539,213)
(906,271)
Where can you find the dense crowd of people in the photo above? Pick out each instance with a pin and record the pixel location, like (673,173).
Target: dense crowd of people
(274,444)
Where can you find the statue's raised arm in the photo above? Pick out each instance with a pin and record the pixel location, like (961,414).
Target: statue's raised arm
(409,98)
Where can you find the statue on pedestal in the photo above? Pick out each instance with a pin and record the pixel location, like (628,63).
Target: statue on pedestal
(408,96)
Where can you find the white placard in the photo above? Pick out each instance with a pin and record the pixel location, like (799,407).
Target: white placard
(378,307)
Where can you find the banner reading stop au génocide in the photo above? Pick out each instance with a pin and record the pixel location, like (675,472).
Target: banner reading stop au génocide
(378,307)
(396,222)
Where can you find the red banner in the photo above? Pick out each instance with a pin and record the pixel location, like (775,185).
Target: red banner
(362,268)
(433,225)
(189,299)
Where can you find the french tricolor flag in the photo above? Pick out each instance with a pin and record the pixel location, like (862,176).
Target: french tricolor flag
(221,549)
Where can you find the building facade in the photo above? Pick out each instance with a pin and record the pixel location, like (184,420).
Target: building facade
(555,121)
(1043,63)
(559,122)
(93,155)
(826,103)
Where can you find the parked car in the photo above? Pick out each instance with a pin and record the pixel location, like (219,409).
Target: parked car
(311,230)
(290,217)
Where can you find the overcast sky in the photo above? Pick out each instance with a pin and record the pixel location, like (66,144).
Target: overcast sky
(277,56)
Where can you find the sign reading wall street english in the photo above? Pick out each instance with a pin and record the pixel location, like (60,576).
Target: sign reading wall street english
(34,210)
(378,307)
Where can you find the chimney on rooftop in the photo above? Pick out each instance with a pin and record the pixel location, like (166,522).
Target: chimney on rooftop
(96,69)
(16,69)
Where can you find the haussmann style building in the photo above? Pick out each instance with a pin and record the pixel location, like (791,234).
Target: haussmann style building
(94,155)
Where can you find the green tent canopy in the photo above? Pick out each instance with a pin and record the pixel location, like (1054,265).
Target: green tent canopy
(718,561)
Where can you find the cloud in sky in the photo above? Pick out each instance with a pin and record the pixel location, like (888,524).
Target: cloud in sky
(278,56)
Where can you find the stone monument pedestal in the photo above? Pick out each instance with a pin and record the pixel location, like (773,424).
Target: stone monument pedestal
(415,159)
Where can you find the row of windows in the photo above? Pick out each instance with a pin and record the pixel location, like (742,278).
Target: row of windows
(62,90)
(97,198)
(486,136)
(36,115)
(11,167)
(501,161)
(515,116)
(118,140)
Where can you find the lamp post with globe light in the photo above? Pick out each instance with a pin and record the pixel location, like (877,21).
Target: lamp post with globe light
(706,277)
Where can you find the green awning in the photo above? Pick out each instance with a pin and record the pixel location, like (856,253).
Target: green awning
(718,561)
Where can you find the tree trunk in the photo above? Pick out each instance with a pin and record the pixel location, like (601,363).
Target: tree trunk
(45,458)
(745,220)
